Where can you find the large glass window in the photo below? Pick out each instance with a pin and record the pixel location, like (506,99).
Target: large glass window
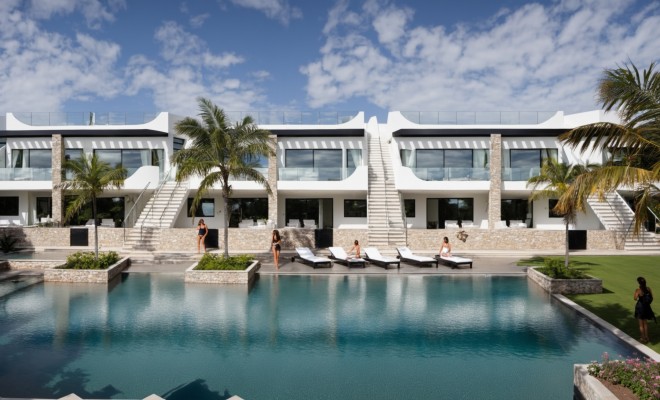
(355,208)
(353,160)
(131,159)
(301,209)
(552,203)
(9,205)
(178,144)
(106,208)
(515,209)
(324,165)
(409,206)
(71,154)
(31,158)
(247,209)
(450,164)
(205,208)
(44,207)
(3,152)
(441,210)
(110,157)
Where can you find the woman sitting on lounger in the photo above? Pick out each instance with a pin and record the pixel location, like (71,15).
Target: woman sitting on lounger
(445,249)
(355,248)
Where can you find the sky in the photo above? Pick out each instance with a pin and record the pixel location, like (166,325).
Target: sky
(322,55)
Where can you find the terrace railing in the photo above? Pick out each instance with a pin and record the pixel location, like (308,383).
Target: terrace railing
(83,118)
(26,174)
(477,117)
(294,117)
(452,174)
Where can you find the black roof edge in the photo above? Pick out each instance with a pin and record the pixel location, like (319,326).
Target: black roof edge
(478,132)
(84,133)
(318,132)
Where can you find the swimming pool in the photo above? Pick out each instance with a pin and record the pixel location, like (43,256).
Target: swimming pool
(295,337)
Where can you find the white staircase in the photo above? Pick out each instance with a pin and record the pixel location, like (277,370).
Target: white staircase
(160,212)
(383,204)
(615,215)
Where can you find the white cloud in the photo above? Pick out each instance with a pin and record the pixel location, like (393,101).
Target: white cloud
(40,70)
(191,70)
(198,20)
(279,10)
(534,57)
(94,11)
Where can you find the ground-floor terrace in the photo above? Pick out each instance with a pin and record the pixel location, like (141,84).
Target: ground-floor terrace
(259,239)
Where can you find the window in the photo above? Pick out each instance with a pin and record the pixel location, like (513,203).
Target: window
(327,163)
(106,208)
(9,205)
(300,209)
(205,208)
(44,207)
(514,209)
(552,203)
(353,160)
(178,144)
(355,208)
(3,152)
(31,158)
(531,158)
(440,210)
(71,154)
(131,159)
(409,206)
(247,209)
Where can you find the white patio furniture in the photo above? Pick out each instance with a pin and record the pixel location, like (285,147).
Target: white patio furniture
(309,223)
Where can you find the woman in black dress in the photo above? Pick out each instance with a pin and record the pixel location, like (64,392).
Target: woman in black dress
(643,311)
(276,241)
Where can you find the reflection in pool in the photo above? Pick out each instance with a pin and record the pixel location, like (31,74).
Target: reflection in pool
(295,337)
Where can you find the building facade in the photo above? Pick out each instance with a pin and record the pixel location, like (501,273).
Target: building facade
(411,180)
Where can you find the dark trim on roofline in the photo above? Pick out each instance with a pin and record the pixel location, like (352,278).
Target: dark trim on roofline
(472,132)
(318,132)
(84,133)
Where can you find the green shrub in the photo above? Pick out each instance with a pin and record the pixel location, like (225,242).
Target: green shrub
(211,262)
(8,243)
(554,268)
(86,260)
(640,376)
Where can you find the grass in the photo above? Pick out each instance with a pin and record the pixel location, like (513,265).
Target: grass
(619,274)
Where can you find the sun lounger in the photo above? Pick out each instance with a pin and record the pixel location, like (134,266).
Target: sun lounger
(339,255)
(407,256)
(306,256)
(454,261)
(372,255)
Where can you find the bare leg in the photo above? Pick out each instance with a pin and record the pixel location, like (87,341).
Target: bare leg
(199,239)
(642,330)
(645,329)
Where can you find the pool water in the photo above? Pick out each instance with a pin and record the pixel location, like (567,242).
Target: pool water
(295,337)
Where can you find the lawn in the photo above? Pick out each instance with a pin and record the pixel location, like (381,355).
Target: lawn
(619,274)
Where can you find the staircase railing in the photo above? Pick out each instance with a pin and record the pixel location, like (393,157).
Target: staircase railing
(130,211)
(160,187)
(656,220)
(160,218)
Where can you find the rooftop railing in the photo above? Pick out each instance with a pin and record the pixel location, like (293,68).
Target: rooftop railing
(293,117)
(83,118)
(477,117)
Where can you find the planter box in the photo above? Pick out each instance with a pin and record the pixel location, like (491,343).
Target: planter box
(59,274)
(565,286)
(243,277)
(587,387)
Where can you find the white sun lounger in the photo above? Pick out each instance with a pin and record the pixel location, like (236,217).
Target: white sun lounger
(407,256)
(339,255)
(306,256)
(454,261)
(373,256)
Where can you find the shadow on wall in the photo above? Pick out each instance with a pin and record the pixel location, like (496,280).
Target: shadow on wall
(197,390)
(12,239)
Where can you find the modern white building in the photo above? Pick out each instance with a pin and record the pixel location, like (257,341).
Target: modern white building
(411,180)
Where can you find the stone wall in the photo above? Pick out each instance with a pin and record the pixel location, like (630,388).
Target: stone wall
(504,239)
(184,239)
(225,277)
(588,387)
(565,286)
(86,275)
(34,264)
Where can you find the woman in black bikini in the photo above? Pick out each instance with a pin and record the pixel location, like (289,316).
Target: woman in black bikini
(202,231)
(276,240)
(643,311)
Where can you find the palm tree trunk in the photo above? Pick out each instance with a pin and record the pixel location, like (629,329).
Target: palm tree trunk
(225,197)
(96,230)
(566,245)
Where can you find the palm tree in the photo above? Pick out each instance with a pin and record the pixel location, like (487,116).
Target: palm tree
(91,177)
(555,179)
(636,97)
(220,151)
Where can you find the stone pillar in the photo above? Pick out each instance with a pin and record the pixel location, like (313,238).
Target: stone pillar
(57,198)
(272,181)
(495,193)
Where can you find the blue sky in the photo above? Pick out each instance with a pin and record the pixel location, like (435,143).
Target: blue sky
(321,55)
